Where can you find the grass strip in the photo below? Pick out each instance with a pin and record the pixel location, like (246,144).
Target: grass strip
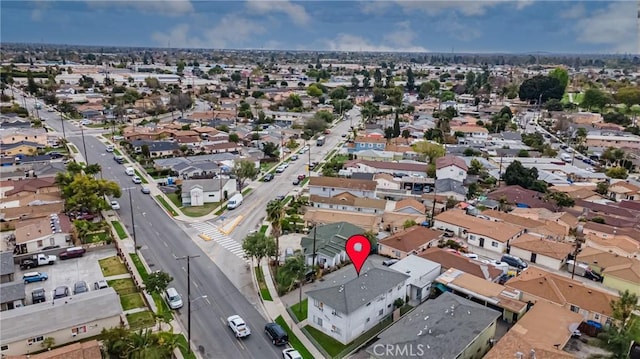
(264,290)
(119,229)
(166,205)
(293,340)
(142,178)
(142,271)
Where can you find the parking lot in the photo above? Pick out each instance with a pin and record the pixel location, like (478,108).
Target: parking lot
(67,272)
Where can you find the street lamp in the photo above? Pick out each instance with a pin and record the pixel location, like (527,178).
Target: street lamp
(188,258)
(133,222)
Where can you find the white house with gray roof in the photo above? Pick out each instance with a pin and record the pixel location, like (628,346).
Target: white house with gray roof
(346,311)
(65,320)
(200,191)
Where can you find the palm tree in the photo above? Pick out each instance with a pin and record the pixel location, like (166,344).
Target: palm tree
(296,268)
(275,214)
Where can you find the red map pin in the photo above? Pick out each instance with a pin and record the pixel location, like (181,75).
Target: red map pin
(358,249)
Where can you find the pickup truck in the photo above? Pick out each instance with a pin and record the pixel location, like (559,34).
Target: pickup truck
(37,260)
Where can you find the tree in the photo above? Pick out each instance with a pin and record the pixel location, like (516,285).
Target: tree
(340,93)
(152,82)
(294,272)
(92,169)
(181,102)
(257,245)
(618,337)
(517,174)
(409,223)
(355,83)
(595,98)
(48,343)
(236,77)
(157,282)
(541,87)
(32,87)
(405,134)
(447,96)
(562,75)
(275,215)
(617,172)
(243,170)
(425,89)
(315,125)
(602,188)
(314,91)
(85,193)
(325,115)
(561,199)
(396,126)
(388,133)
(629,95)
(475,167)
(270,149)
(233,137)
(431,151)
(411,80)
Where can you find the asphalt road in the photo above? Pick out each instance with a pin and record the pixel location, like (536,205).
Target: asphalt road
(163,240)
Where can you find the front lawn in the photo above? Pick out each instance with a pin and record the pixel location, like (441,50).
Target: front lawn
(112,266)
(293,340)
(141,320)
(119,229)
(246,191)
(264,291)
(131,301)
(167,315)
(175,199)
(166,205)
(123,286)
(330,345)
(199,211)
(300,310)
(97,237)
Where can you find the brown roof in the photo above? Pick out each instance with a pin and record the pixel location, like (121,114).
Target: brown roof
(31,212)
(395,166)
(370,139)
(412,203)
(629,272)
(385,176)
(624,243)
(633,205)
(348,199)
(543,327)
(469,129)
(517,194)
(499,231)
(411,239)
(363,220)
(562,290)
(188,139)
(37,228)
(348,183)
(541,246)
(451,260)
(613,210)
(28,185)
(582,193)
(623,187)
(611,230)
(600,258)
(81,350)
(451,160)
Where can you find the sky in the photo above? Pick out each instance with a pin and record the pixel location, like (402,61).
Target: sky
(505,26)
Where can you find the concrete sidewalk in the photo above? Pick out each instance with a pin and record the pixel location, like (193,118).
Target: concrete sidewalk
(276,308)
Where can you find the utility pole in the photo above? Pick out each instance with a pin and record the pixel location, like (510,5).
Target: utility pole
(315,232)
(433,207)
(188,258)
(64,135)
(309,165)
(84,144)
(133,222)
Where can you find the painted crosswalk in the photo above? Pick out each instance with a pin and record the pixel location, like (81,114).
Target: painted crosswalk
(210,232)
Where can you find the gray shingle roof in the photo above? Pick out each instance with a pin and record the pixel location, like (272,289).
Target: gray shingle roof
(348,297)
(330,238)
(6,263)
(11,291)
(434,324)
(43,318)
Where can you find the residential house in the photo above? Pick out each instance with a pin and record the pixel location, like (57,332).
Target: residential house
(451,167)
(30,135)
(564,219)
(329,240)
(81,350)
(622,277)
(621,190)
(606,141)
(221,148)
(413,240)
(451,188)
(599,260)
(369,143)
(45,185)
(546,229)
(472,131)
(408,168)
(494,236)
(410,206)
(346,311)
(12,295)
(424,330)
(7,267)
(377,155)
(422,272)
(348,202)
(197,192)
(157,148)
(606,231)
(520,197)
(492,295)
(621,245)
(190,141)
(386,181)
(332,186)
(67,320)
(541,333)
(7,122)
(20,148)
(449,260)
(33,235)
(545,252)
(538,285)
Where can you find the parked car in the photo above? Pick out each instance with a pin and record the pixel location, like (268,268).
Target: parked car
(136,180)
(73,252)
(301,177)
(268,177)
(280,169)
(115,205)
(277,335)
(514,261)
(101,284)
(146,190)
(32,277)
(238,326)
(173,298)
(119,159)
(294,157)
(37,260)
(38,295)
(110,148)
(61,292)
(80,287)
(296,182)
(291,353)
(50,247)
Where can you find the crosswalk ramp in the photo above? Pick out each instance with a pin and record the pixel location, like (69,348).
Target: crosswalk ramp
(210,232)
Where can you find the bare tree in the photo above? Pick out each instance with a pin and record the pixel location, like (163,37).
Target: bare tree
(181,102)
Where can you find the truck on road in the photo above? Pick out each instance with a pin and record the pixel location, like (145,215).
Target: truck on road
(320,141)
(235,201)
(37,260)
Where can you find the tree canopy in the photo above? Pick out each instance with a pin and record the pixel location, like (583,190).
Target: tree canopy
(157,282)
(243,170)
(82,192)
(562,75)
(258,245)
(517,174)
(541,86)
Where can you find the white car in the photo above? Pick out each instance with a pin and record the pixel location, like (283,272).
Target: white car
(110,148)
(115,205)
(291,353)
(136,180)
(238,326)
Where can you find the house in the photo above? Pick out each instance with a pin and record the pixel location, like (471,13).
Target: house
(35,234)
(483,233)
(520,197)
(493,295)
(7,267)
(425,330)
(413,240)
(408,168)
(156,148)
(451,167)
(12,295)
(31,135)
(600,260)
(20,148)
(621,245)
(622,190)
(369,143)
(422,272)
(451,188)
(197,192)
(33,185)
(541,228)
(347,202)
(66,320)
(547,253)
(472,131)
(377,155)
(81,350)
(539,285)
(410,206)
(329,240)
(542,332)
(346,311)
(332,186)
(450,260)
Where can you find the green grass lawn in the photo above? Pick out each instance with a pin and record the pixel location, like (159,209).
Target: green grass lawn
(264,291)
(112,266)
(119,229)
(199,211)
(131,301)
(184,347)
(330,345)
(97,237)
(123,286)
(300,310)
(144,180)
(246,191)
(141,320)
(160,303)
(139,266)
(175,199)
(116,152)
(304,181)
(166,205)
(263,229)
(293,340)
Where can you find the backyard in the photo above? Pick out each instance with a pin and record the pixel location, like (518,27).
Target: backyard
(112,266)
(97,237)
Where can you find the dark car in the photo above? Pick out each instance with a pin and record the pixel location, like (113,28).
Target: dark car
(277,335)
(38,295)
(73,252)
(279,198)
(504,278)
(296,182)
(513,261)
(589,274)
(268,177)
(80,287)
(55,155)
(301,177)
(61,292)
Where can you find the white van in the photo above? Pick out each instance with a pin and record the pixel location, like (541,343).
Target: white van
(173,298)
(235,201)
(129,171)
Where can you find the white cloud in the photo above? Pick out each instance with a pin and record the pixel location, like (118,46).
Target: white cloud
(164,7)
(398,40)
(614,26)
(574,12)
(296,12)
(465,7)
(231,32)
